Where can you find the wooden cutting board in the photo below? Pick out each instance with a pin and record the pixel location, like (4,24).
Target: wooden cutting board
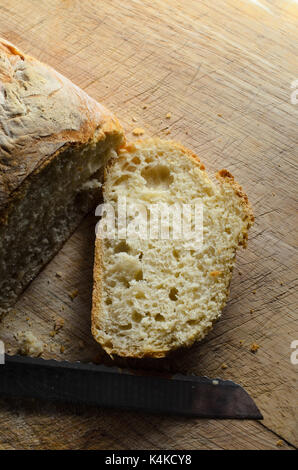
(223,70)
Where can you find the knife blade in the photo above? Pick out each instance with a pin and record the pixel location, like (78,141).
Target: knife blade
(104,386)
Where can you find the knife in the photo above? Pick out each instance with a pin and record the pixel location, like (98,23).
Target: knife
(104,386)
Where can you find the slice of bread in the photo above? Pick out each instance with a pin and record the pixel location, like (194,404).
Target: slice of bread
(152,296)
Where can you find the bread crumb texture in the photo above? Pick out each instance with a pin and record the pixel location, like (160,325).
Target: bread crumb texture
(29,345)
(153,296)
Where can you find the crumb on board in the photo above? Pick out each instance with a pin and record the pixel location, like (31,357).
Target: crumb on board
(251,310)
(219,115)
(28,344)
(241,342)
(138,131)
(52,334)
(58,274)
(59,323)
(254,291)
(62,349)
(168,116)
(134,119)
(74,294)
(279,443)
(145,106)
(254,347)
(224,366)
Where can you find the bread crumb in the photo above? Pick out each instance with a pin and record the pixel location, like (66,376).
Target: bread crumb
(241,342)
(59,323)
(224,366)
(254,291)
(138,131)
(134,119)
(281,283)
(52,334)
(168,116)
(254,347)
(240,273)
(29,345)
(145,106)
(215,273)
(219,115)
(58,274)
(279,443)
(81,344)
(62,349)
(251,310)
(74,294)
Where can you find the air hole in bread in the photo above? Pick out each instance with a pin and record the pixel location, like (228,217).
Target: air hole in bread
(159,317)
(140,295)
(176,254)
(137,317)
(121,180)
(130,168)
(125,327)
(108,301)
(173,294)
(122,247)
(157,176)
(139,275)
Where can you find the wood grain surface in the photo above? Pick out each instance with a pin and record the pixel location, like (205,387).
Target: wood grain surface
(223,69)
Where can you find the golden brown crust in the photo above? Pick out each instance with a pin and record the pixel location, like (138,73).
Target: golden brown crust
(40,112)
(224,177)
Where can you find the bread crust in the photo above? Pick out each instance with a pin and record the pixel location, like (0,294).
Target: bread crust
(224,178)
(41,112)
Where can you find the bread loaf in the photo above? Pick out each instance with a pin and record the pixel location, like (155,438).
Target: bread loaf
(152,296)
(54,142)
